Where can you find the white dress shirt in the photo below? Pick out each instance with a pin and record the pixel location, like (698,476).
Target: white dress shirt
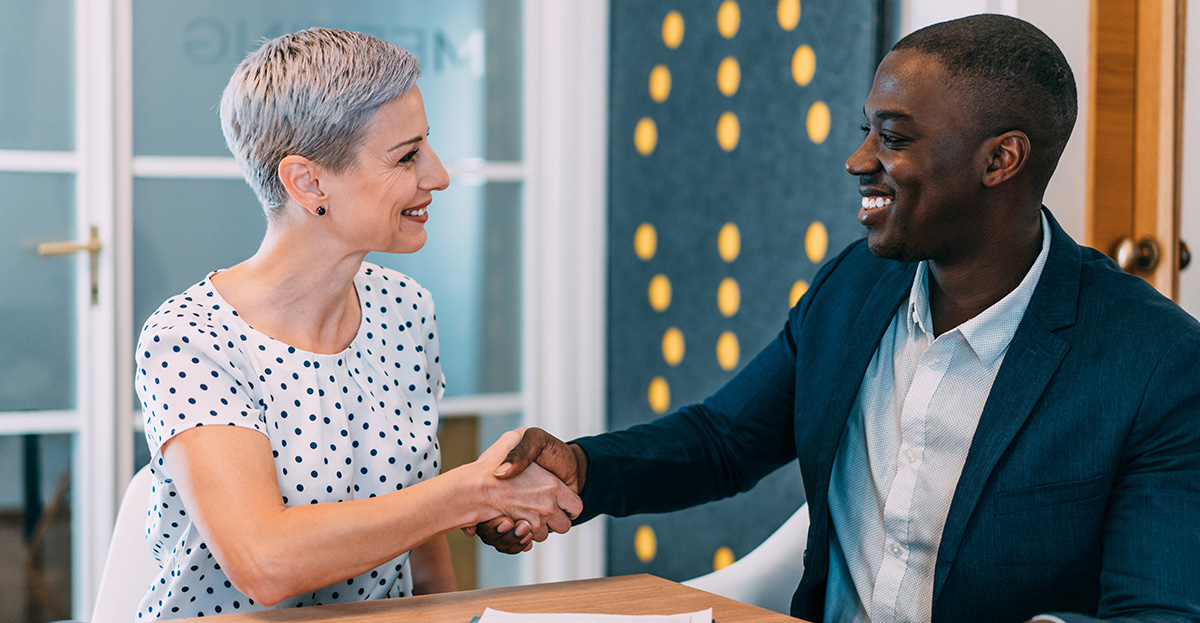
(903,451)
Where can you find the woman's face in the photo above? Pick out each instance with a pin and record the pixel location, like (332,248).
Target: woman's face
(380,203)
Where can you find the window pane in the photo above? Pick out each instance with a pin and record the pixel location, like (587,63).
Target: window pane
(36,74)
(184,229)
(35,528)
(472,265)
(469,50)
(37,302)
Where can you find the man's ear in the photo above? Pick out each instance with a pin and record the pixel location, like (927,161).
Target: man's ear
(299,176)
(1008,154)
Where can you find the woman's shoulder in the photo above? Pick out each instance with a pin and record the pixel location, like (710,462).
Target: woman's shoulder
(391,285)
(196,310)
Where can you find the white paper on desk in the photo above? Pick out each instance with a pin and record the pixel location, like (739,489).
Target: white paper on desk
(499,616)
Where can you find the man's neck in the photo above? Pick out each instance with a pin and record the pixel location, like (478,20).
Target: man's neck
(960,291)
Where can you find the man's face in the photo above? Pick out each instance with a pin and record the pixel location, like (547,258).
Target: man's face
(921,164)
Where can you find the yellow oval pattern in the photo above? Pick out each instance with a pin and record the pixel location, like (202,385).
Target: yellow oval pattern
(729,242)
(804,65)
(728,351)
(645,241)
(722,558)
(729,297)
(672,29)
(818,122)
(660,83)
(645,136)
(659,293)
(729,131)
(729,76)
(645,543)
(798,290)
(673,346)
(788,13)
(816,242)
(729,18)
(658,394)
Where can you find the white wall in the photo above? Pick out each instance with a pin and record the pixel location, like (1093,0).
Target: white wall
(1066,22)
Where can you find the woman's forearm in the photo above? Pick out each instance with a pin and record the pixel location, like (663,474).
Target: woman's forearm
(270,552)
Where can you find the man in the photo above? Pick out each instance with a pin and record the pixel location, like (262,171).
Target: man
(992,422)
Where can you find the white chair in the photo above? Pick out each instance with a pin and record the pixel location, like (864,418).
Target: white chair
(130,567)
(769,574)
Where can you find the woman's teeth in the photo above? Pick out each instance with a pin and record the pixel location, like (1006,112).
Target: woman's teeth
(416,212)
(876,202)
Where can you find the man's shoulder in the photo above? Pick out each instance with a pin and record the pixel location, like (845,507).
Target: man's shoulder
(1127,302)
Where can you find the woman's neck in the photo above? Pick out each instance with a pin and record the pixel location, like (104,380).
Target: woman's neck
(297,289)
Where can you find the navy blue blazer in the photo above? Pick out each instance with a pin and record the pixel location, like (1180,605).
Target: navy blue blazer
(1081,491)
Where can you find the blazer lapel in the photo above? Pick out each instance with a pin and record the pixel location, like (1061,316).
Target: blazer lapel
(868,329)
(1033,356)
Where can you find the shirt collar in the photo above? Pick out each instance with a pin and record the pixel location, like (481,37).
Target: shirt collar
(990,332)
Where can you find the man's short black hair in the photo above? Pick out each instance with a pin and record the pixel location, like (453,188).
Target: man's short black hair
(1020,79)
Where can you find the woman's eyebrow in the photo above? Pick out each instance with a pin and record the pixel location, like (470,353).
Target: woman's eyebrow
(403,143)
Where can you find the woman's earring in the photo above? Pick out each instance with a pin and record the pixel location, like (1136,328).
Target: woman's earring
(321,211)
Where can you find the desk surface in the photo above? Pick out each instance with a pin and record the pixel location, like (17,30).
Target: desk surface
(630,594)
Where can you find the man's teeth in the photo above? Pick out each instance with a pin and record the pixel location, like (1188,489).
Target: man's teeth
(417,212)
(876,202)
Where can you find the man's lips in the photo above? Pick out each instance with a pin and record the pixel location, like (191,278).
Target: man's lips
(874,208)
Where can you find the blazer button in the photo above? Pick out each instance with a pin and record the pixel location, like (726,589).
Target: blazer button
(805,556)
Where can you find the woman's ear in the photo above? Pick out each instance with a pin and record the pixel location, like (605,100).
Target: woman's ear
(299,176)
(1008,154)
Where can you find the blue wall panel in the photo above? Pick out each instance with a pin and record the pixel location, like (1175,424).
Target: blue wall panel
(783,187)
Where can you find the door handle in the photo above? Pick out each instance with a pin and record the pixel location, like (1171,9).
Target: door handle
(1185,254)
(92,246)
(1141,256)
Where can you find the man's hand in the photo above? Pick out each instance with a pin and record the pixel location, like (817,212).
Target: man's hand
(567,462)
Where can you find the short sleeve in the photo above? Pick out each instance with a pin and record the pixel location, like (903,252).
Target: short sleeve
(187,377)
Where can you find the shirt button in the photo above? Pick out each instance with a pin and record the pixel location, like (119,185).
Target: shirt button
(935,364)
(895,550)
(910,455)
(916,317)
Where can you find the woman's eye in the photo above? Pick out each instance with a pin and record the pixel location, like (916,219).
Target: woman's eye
(865,129)
(409,157)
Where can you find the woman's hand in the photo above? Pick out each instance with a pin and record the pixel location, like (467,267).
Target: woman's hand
(535,499)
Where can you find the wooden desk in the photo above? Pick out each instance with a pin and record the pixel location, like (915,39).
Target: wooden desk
(629,594)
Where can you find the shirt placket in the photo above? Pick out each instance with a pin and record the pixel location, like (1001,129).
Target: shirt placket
(899,510)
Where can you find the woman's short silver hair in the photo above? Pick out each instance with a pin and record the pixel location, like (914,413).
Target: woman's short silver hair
(309,93)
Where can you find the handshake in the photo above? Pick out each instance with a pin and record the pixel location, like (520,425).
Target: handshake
(535,489)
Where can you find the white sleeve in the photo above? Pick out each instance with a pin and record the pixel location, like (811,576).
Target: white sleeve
(187,378)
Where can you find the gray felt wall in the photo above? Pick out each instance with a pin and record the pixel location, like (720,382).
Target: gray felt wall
(782,184)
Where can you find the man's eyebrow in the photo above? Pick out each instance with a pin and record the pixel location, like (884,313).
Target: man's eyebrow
(883,115)
(410,141)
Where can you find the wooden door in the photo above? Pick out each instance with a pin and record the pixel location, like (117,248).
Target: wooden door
(1136,118)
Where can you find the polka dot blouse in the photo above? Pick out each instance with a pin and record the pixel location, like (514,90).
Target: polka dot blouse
(344,426)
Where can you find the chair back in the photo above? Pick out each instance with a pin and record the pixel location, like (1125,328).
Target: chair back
(130,567)
(767,576)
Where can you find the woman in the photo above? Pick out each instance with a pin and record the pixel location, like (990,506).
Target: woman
(291,400)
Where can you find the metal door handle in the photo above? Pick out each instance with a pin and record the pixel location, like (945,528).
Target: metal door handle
(92,246)
(1142,256)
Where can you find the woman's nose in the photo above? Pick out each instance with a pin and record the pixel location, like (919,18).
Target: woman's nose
(435,177)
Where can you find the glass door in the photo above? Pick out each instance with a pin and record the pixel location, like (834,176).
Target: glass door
(55,306)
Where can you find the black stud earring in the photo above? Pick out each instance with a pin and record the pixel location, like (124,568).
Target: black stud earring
(321,211)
